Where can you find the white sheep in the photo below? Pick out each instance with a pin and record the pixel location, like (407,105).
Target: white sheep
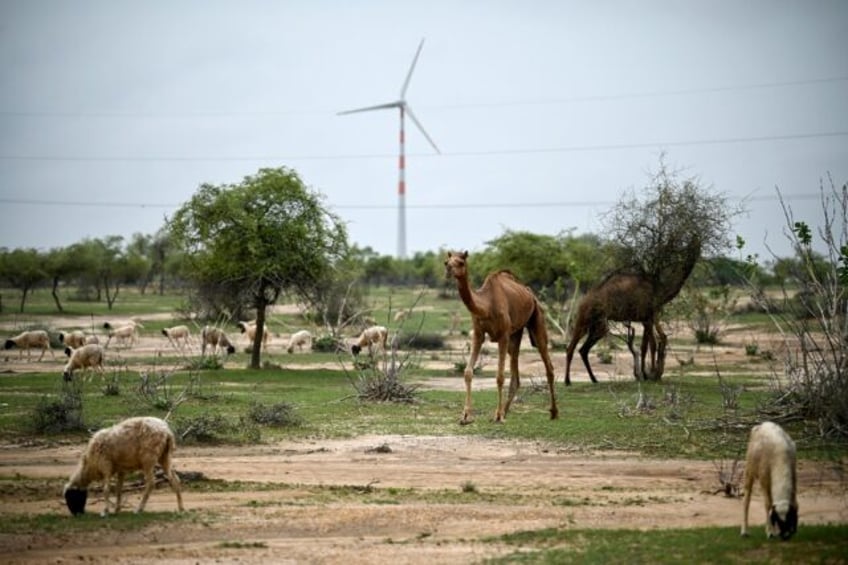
(179,335)
(30,340)
(215,337)
(130,322)
(127,335)
(249,328)
(770,460)
(131,445)
(77,338)
(372,336)
(87,356)
(298,339)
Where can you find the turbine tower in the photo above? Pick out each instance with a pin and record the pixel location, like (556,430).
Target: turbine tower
(404,109)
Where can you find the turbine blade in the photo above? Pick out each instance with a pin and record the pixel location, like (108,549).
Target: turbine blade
(420,127)
(369,108)
(411,68)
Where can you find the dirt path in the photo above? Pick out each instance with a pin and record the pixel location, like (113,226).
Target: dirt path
(519,486)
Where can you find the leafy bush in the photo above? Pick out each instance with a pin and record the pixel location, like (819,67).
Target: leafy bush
(327,344)
(203,428)
(424,341)
(279,415)
(63,414)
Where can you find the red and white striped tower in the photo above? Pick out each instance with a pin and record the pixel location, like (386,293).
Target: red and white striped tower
(401,243)
(404,109)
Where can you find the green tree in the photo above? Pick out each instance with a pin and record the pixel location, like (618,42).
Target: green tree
(23,269)
(267,235)
(659,236)
(62,264)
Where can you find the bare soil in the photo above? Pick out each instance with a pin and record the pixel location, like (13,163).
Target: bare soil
(274,516)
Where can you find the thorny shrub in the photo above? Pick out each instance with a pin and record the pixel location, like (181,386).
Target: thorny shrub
(813,382)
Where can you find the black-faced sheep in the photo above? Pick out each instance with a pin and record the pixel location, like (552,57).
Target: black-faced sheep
(77,338)
(298,339)
(179,335)
(87,356)
(29,340)
(215,337)
(127,335)
(373,336)
(249,328)
(770,460)
(135,444)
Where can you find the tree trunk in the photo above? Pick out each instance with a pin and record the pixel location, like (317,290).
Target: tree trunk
(111,298)
(255,355)
(56,294)
(24,292)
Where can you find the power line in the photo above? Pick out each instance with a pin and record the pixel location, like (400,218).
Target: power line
(483,104)
(553,204)
(482,153)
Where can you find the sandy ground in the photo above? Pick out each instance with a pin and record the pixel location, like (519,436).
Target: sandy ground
(519,486)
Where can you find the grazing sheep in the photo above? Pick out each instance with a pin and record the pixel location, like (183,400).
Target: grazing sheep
(249,328)
(127,335)
(109,326)
(135,444)
(374,335)
(770,460)
(87,356)
(30,340)
(215,337)
(179,335)
(77,339)
(298,339)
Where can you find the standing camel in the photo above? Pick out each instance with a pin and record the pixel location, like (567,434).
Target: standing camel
(501,308)
(629,297)
(620,297)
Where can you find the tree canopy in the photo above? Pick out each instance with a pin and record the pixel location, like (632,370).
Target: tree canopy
(257,239)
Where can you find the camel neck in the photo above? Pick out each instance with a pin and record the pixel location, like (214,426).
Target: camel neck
(467,295)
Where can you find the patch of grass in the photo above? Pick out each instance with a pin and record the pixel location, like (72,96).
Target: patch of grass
(123,521)
(819,544)
(243,545)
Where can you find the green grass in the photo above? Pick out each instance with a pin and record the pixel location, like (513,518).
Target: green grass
(123,521)
(685,417)
(812,544)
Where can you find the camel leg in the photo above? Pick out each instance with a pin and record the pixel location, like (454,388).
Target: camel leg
(539,337)
(596,332)
(476,345)
(499,379)
(647,338)
(569,355)
(514,379)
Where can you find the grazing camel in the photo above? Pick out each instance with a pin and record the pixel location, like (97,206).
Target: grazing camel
(629,297)
(501,308)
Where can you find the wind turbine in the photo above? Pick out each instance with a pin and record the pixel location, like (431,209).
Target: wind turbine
(404,108)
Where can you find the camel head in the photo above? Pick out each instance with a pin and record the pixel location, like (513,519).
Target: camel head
(456,265)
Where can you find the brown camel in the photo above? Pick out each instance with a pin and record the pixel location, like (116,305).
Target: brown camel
(629,297)
(501,308)
(620,297)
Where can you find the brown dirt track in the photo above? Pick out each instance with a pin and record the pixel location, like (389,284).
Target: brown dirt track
(554,487)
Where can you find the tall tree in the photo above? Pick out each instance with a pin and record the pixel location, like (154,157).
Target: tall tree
(267,235)
(23,269)
(660,236)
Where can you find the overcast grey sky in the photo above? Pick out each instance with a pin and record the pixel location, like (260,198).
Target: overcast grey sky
(112,112)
